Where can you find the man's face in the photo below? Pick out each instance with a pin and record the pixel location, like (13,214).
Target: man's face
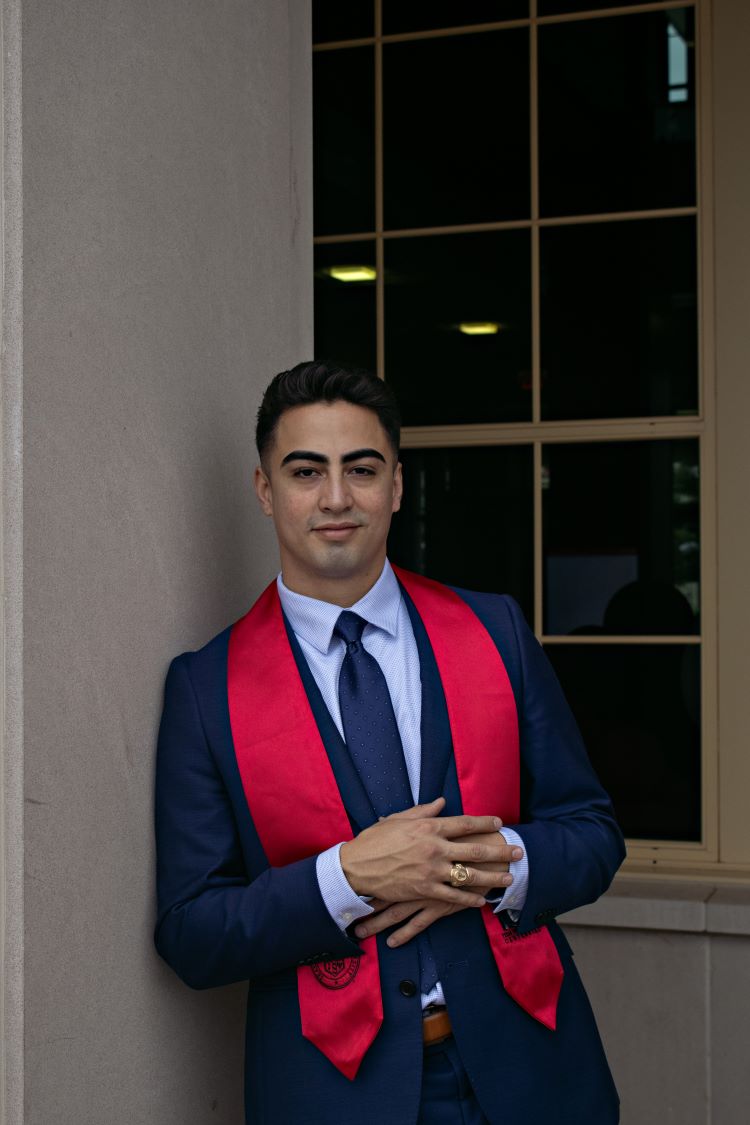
(330,482)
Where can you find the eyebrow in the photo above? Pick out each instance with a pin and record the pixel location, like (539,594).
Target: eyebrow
(321,459)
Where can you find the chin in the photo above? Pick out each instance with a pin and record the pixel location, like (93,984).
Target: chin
(340,565)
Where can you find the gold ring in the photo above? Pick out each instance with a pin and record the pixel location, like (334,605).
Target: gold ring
(459,875)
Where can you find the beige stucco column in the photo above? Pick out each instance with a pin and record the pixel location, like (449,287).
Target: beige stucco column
(157,272)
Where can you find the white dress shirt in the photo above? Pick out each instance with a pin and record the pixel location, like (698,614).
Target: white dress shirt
(389,637)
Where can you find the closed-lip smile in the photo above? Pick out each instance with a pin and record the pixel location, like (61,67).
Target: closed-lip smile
(336,530)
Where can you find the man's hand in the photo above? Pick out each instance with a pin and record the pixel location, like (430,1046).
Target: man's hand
(407,857)
(421,913)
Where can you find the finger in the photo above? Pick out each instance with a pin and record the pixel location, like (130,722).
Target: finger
(485,853)
(419,923)
(391,915)
(497,870)
(442,892)
(419,812)
(480,877)
(425,917)
(453,827)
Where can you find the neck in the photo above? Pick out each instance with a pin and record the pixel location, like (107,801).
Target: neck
(343,591)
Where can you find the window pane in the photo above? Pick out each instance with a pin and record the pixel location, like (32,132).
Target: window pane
(419,15)
(621,538)
(344,140)
(341,19)
(619,324)
(558,7)
(458,327)
(467,518)
(345,309)
(456,129)
(617,113)
(638,707)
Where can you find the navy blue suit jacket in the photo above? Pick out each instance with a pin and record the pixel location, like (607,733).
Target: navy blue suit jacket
(225,916)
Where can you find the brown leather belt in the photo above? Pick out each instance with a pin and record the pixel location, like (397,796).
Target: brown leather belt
(436,1025)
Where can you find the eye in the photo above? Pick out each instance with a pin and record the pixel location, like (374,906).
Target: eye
(305,473)
(362,471)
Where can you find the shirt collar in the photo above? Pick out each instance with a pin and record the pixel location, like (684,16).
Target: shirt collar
(314,621)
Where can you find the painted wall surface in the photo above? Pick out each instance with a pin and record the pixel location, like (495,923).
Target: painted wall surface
(167,276)
(673,1009)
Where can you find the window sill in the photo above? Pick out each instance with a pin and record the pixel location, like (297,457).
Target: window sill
(693,907)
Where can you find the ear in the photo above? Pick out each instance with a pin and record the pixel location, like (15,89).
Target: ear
(398,488)
(263,491)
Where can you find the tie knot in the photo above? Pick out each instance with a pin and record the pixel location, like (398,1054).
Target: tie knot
(350,627)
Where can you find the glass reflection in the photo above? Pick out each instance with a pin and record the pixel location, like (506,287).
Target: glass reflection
(439,291)
(467,518)
(344,140)
(619,323)
(345,303)
(638,707)
(617,105)
(621,538)
(456,129)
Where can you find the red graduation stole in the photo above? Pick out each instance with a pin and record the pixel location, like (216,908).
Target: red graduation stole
(283,765)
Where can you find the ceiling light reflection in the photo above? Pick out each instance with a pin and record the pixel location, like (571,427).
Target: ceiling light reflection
(479,328)
(352,273)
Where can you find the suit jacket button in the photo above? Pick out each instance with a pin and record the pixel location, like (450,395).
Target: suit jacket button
(407,988)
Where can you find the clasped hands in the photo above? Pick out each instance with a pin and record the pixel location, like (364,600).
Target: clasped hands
(403,864)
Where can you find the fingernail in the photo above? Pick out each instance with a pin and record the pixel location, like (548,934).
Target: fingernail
(516,853)
(360,931)
(507,880)
(497,822)
(391,942)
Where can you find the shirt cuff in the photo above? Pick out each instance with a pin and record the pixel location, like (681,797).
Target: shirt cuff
(513,898)
(342,903)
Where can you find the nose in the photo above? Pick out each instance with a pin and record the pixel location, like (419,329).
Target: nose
(335,495)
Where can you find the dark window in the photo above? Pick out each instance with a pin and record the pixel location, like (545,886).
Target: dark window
(621,538)
(334,20)
(467,518)
(421,15)
(617,114)
(344,140)
(458,335)
(456,129)
(345,302)
(619,319)
(638,707)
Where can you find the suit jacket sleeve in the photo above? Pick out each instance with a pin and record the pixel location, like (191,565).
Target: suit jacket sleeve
(218,922)
(568,827)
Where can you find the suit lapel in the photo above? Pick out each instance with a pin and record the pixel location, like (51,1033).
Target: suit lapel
(353,793)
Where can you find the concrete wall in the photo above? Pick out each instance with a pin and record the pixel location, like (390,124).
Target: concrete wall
(167,275)
(665,965)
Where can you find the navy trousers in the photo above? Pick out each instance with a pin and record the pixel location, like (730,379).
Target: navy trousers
(447,1096)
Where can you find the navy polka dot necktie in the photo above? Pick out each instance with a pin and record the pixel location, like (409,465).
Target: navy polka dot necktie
(374,743)
(370,728)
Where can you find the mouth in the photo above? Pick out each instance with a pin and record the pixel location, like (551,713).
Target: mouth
(336,531)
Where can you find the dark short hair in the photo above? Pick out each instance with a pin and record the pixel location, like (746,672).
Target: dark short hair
(323,381)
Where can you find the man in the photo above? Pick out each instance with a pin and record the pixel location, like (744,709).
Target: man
(334,775)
